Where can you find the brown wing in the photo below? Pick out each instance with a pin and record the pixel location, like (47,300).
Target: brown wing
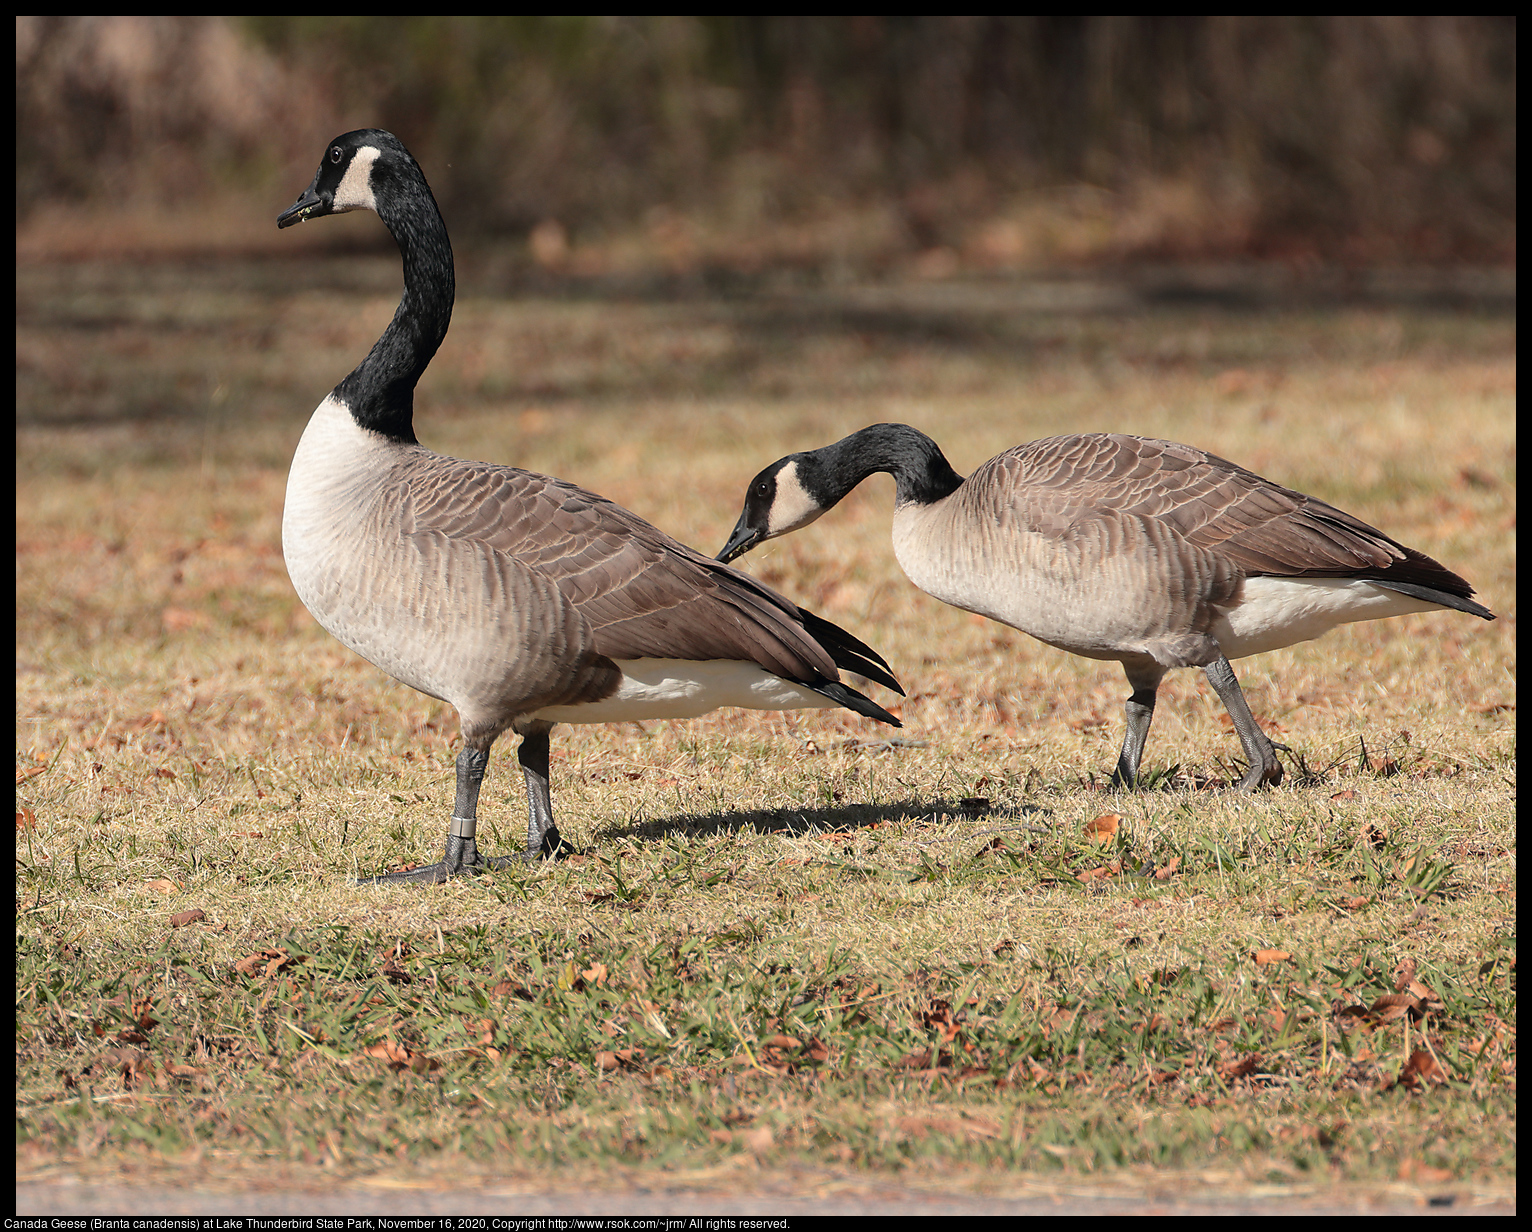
(640,592)
(1263,527)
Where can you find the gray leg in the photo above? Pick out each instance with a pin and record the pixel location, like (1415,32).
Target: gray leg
(1145,682)
(1260,752)
(542,834)
(462,854)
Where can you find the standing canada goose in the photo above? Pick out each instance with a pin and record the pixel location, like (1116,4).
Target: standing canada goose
(1154,554)
(523,601)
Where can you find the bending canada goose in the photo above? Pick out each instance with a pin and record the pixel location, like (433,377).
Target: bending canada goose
(524,601)
(1154,554)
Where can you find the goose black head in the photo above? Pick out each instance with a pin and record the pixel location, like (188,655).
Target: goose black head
(782,498)
(355,168)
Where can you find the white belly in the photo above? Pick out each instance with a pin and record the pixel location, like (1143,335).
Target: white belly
(685,688)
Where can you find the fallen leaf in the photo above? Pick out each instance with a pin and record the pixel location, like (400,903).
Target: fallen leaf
(508,987)
(1102,829)
(622,1058)
(1422,1068)
(1166,871)
(25,819)
(182,918)
(1395,1005)
(134,1063)
(162,885)
(1262,957)
(387,1051)
(267,961)
(1242,1068)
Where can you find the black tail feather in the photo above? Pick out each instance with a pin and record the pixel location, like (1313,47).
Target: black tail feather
(843,695)
(850,652)
(1430,594)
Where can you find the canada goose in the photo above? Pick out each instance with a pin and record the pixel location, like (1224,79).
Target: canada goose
(1154,554)
(522,600)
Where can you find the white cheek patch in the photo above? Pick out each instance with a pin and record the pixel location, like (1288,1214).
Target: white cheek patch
(792,507)
(354,192)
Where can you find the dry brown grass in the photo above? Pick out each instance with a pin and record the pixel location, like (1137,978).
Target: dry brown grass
(181,719)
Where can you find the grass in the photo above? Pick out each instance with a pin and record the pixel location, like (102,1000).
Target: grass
(789,947)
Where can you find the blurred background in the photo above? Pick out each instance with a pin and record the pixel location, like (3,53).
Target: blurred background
(718,148)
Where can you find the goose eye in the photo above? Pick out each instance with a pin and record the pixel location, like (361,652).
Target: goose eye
(335,154)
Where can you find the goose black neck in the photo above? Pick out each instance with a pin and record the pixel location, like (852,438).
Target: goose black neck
(922,474)
(380,392)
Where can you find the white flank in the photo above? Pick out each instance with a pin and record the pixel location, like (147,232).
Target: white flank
(1279,612)
(685,688)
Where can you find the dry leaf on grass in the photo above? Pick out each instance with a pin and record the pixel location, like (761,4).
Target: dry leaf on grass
(398,1058)
(1241,1068)
(182,918)
(1263,957)
(134,1064)
(1421,1070)
(1375,836)
(267,962)
(1102,829)
(1395,1005)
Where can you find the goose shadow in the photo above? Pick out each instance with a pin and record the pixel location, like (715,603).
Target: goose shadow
(795,822)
